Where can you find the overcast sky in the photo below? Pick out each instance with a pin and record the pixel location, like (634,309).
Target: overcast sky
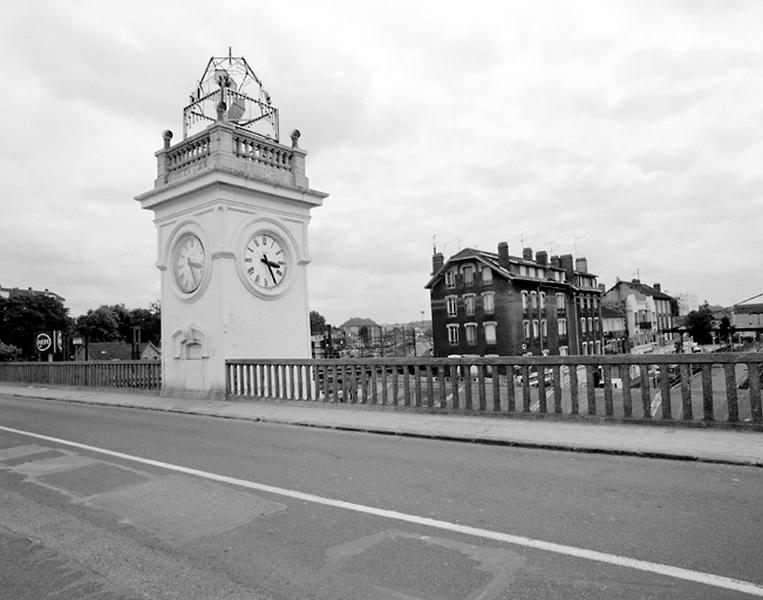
(630,133)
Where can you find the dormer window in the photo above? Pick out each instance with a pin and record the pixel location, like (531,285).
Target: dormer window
(468,273)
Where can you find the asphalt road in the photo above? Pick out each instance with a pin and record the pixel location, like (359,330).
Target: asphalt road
(196,507)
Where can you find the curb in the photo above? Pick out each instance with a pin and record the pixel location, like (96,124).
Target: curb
(552,446)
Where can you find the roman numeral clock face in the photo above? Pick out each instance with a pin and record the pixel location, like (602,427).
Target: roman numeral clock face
(188,265)
(266,262)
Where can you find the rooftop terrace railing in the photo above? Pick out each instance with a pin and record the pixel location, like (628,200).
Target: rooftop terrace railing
(692,389)
(227,148)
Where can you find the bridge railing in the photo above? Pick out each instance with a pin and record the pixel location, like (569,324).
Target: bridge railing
(126,374)
(686,388)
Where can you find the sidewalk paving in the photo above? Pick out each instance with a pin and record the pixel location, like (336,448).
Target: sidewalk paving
(659,441)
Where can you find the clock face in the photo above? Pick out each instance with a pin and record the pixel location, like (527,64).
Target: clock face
(266,262)
(188,263)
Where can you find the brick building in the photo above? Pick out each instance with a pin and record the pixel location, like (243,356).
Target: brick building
(486,303)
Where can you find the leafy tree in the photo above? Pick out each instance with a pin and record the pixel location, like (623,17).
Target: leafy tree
(124,322)
(699,324)
(25,315)
(725,330)
(8,352)
(364,335)
(149,322)
(317,323)
(143,323)
(99,325)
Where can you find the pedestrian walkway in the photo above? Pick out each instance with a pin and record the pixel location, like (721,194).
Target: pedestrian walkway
(658,441)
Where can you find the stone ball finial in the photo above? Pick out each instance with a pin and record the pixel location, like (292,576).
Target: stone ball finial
(295,135)
(167,136)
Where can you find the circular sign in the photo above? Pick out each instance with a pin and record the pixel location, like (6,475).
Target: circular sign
(43,342)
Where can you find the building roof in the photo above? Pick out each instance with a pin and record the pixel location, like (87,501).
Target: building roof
(748,309)
(490,259)
(359,322)
(112,350)
(642,288)
(11,292)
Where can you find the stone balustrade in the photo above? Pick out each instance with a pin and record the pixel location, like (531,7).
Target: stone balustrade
(697,389)
(127,374)
(227,148)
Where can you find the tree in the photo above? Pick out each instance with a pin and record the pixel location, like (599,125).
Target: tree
(139,324)
(8,352)
(725,330)
(25,315)
(99,325)
(148,322)
(699,325)
(317,323)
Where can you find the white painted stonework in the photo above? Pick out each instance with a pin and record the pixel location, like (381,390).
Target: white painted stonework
(222,186)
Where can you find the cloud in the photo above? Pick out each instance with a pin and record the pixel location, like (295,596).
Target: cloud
(628,132)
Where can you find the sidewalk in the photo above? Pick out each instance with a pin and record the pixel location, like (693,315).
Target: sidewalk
(706,445)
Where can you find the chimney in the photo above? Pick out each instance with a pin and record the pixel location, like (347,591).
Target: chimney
(503,255)
(438,260)
(555,262)
(541,257)
(657,286)
(566,262)
(527,253)
(602,288)
(581,265)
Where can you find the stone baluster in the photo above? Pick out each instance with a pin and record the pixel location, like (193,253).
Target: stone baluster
(162,166)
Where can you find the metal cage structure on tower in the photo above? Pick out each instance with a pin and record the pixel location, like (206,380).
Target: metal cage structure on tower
(229,84)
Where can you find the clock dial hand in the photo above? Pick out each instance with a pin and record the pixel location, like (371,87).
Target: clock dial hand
(191,265)
(269,265)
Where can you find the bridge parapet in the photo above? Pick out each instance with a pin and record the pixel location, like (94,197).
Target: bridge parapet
(689,389)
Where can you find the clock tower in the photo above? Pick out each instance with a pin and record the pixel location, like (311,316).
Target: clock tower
(232,207)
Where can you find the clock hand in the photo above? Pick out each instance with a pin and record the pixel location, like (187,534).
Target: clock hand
(192,264)
(269,265)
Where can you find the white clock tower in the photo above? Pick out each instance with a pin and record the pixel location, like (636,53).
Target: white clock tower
(231,206)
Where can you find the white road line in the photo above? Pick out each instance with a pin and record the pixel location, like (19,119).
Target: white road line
(728,583)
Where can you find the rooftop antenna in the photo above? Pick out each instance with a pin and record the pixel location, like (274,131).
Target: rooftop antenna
(521,237)
(434,244)
(550,246)
(575,243)
(455,239)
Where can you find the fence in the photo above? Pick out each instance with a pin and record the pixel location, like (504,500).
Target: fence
(128,374)
(686,388)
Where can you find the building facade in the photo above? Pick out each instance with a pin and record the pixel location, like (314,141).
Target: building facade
(486,303)
(687,302)
(649,312)
(747,320)
(615,329)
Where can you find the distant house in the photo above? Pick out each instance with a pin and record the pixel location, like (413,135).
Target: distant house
(358,326)
(361,336)
(648,310)
(615,328)
(117,351)
(747,319)
(15,292)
